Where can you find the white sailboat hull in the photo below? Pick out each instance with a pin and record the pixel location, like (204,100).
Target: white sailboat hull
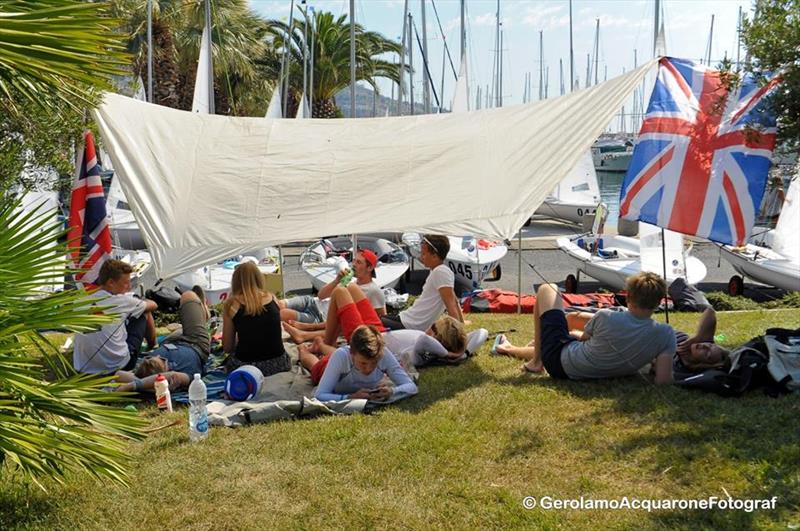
(470,260)
(764,265)
(215,279)
(615,161)
(322,260)
(621,261)
(569,211)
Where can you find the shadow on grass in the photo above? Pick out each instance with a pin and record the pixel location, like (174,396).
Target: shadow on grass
(443,382)
(22,505)
(752,441)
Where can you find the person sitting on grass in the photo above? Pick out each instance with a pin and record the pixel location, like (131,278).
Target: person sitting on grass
(309,313)
(180,355)
(117,345)
(612,344)
(445,342)
(438,293)
(357,370)
(251,324)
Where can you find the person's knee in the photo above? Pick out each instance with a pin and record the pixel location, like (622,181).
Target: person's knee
(188,296)
(547,288)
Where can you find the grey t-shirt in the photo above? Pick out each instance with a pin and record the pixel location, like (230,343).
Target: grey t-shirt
(620,345)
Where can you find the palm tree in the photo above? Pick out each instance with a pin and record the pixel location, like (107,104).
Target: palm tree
(237,36)
(331,58)
(49,427)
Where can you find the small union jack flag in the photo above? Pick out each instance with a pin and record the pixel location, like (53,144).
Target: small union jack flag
(701,160)
(89,235)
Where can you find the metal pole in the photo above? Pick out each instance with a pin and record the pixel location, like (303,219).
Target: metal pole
(150,50)
(426,79)
(441,90)
(710,41)
(541,65)
(497,56)
(500,72)
(402,60)
(738,37)
(561,76)
(410,63)
(596,50)
(664,264)
(464,27)
(656,26)
(352,61)
(287,54)
(519,271)
(571,52)
(311,73)
(211,109)
(305,56)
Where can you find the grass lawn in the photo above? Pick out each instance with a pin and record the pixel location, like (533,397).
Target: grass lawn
(462,454)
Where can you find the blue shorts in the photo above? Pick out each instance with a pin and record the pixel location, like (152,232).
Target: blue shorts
(306,308)
(555,336)
(180,358)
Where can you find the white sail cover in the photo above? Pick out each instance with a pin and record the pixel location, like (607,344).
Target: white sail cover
(206,187)
(461,95)
(651,252)
(580,184)
(302,109)
(787,232)
(274,108)
(205,71)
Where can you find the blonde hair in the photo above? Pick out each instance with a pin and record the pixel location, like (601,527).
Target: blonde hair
(367,341)
(247,288)
(450,333)
(645,290)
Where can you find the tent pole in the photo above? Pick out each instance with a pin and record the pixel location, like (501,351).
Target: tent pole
(664,265)
(519,271)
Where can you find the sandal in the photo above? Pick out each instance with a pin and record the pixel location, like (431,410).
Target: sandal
(497,340)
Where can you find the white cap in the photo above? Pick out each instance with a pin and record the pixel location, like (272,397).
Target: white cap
(197,376)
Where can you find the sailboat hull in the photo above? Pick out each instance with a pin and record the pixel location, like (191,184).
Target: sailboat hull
(569,211)
(619,259)
(215,279)
(470,260)
(614,162)
(764,265)
(322,260)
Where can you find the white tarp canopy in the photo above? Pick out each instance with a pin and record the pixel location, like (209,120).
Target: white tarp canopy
(206,187)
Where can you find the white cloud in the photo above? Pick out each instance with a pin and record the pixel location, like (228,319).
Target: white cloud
(544,17)
(487,19)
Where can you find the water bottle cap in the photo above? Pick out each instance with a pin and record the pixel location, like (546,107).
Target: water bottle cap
(160,378)
(197,376)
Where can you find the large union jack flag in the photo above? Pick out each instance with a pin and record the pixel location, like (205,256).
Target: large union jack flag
(89,235)
(701,160)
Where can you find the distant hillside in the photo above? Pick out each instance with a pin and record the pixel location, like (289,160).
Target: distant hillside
(364,98)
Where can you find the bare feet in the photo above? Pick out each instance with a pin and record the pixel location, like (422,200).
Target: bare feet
(316,345)
(530,367)
(307,358)
(296,335)
(504,346)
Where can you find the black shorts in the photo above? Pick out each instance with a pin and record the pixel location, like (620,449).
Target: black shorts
(555,335)
(392,322)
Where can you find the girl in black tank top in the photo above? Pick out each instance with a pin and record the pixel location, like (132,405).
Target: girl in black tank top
(252,324)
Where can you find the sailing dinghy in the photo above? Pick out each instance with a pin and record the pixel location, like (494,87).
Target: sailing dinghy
(772,258)
(577,195)
(323,260)
(471,260)
(611,259)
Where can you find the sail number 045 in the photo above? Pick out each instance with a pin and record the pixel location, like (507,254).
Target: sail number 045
(464,270)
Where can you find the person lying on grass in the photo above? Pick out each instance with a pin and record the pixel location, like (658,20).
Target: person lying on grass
(693,353)
(357,370)
(180,355)
(310,312)
(611,344)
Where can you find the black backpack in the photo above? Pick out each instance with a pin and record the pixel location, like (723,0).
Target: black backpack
(749,370)
(168,300)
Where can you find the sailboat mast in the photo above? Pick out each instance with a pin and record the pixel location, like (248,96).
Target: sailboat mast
(402,60)
(500,72)
(561,76)
(596,50)
(426,77)
(571,52)
(287,47)
(497,55)
(738,38)
(210,68)
(305,57)
(311,72)
(411,62)
(464,28)
(656,26)
(541,65)
(150,49)
(710,41)
(352,60)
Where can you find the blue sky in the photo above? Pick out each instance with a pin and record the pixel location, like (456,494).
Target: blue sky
(625,25)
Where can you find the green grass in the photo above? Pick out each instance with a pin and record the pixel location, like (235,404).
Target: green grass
(460,455)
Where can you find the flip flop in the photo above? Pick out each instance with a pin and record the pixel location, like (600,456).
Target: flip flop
(524,368)
(497,340)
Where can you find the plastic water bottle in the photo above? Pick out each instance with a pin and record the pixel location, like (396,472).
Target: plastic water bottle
(347,277)
(163,396)
(198,414)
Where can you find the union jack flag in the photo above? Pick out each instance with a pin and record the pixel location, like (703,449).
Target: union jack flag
(701,160)
(89,235)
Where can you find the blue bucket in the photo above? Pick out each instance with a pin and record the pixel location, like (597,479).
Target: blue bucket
(244,383)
